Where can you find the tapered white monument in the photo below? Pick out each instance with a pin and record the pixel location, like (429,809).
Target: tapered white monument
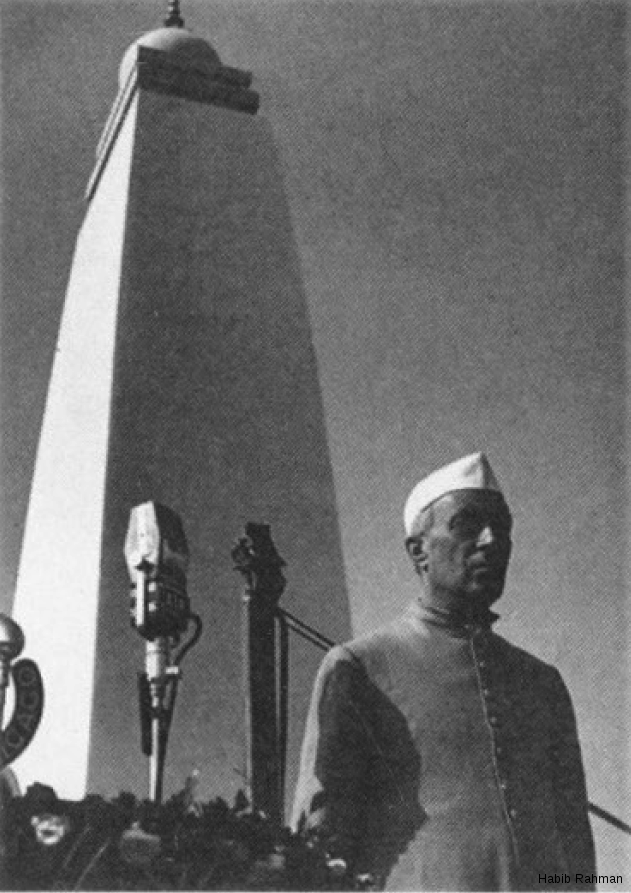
(185,374)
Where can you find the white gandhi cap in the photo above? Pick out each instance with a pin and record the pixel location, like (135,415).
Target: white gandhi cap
(470,473)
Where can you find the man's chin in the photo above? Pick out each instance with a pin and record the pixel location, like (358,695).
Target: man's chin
(485,594)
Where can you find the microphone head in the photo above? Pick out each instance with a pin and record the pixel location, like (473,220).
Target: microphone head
(156,553)
(155,538)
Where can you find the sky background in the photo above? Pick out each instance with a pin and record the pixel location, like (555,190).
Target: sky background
(454,173)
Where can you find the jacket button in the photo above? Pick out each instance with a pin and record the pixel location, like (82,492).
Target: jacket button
(512,813)
(493,720)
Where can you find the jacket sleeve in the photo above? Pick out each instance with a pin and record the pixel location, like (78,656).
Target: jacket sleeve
(331,786)
(570,794)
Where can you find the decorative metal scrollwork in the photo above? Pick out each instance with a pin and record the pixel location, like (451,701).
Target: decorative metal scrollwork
(28,693)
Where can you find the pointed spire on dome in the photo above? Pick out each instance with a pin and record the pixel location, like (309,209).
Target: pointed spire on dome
(174,19)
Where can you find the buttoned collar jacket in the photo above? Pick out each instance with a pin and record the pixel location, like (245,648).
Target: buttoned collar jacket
(438,756)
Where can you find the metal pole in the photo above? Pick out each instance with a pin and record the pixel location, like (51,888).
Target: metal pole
(247,700)
(157,661)
(155,769)
(264,738)
(257,559)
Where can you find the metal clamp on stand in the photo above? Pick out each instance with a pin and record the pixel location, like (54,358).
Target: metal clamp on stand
(157,558)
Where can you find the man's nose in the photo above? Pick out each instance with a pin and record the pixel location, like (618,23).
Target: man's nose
(486,537)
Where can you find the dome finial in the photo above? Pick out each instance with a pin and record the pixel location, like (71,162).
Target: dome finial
(174,19)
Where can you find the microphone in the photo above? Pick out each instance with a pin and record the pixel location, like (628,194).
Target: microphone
(157,557)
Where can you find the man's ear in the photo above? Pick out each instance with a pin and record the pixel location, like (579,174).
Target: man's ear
(415,547)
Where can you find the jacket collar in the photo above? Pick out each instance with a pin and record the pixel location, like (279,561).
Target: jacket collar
(463,622)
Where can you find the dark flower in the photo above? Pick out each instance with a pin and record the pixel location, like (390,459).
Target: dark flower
(136,847)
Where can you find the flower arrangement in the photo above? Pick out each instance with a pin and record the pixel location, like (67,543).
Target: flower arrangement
(127,844)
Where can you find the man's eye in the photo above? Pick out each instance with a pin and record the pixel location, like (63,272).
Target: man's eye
(466,523)
(469,524)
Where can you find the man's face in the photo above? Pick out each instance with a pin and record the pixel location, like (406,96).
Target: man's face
(466,547)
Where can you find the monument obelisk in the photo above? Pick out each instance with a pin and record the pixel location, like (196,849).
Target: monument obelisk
(184,373)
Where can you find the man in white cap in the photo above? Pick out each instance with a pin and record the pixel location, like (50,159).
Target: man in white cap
(438,756)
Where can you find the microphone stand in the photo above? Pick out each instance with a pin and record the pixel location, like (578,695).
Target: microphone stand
(157,559)
(160,683)
(157,664)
